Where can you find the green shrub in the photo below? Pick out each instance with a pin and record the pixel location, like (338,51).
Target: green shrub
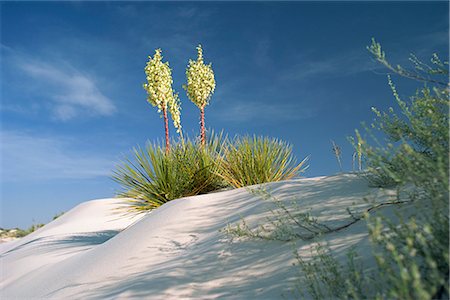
(326,278)
(412,249)
(199,164)
(19,233)
(253,160)
(57,215)
(417,139)
(153,176)
(411,246)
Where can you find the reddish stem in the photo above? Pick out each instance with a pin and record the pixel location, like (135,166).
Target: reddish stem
(202,125)
(166,127)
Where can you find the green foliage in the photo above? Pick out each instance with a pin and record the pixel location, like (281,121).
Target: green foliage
(254,160)
(437,73)
(286,222)
(357,155)
(413,255)
(21,233)
(324,277)
(412,250)
(153,177)
(320,275)
(419,133)
(417,136)
(57,215)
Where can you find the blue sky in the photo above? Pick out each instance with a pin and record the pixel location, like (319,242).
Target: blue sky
(72,103)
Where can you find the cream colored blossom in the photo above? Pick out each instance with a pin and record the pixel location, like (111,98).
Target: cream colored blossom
(159,87)
(200,80)
(175,112)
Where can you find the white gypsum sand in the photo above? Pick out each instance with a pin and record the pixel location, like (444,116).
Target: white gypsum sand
(179,250)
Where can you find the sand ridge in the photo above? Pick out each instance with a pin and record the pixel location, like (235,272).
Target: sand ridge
(178,250)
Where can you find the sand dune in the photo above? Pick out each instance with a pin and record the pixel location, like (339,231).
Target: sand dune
(178,250)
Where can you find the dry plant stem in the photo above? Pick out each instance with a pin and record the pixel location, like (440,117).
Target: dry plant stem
(356,219)
(412,75)
(166,127)
(202,125)
(327,229)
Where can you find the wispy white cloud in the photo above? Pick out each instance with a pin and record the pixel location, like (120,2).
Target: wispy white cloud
(259,112)
(47,83)
(27,156)
(339,65)
(72,93)
(354,62)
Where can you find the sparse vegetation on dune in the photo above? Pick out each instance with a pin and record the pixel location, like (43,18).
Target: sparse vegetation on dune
(153,176)
(252,160)
(19,233)
(410,248)
(14,233)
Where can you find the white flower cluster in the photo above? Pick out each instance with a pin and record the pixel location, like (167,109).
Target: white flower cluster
(159,87)
(200,80)
(175,111)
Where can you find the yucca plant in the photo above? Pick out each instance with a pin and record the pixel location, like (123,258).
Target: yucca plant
(160,93)
(199,164)
(148,177)
(253,160)
(200,87)
(337,153)
(152,176)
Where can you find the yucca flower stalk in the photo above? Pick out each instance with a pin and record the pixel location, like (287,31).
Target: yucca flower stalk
(359,152)
(200,87)
(338,153)
(160,93)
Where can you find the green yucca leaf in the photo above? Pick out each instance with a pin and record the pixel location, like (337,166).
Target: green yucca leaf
(253,160)
(152,177)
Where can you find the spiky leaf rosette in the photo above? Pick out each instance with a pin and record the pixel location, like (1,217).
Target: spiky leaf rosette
(200,80)
(159,87)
